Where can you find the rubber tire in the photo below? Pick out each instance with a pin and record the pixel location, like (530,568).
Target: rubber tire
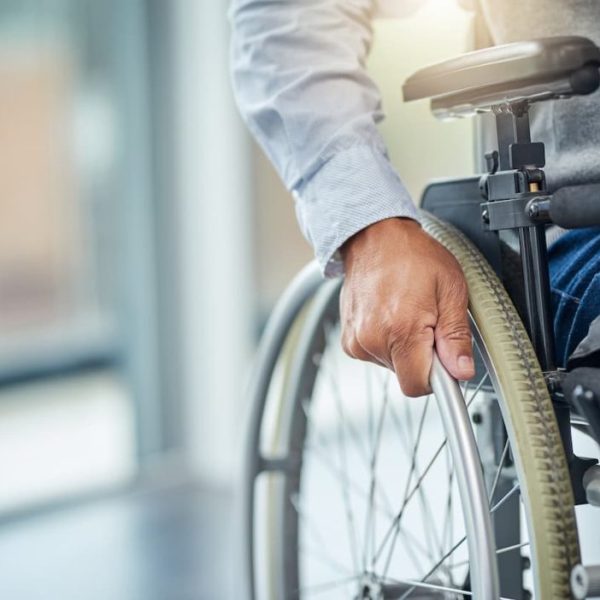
(528,415)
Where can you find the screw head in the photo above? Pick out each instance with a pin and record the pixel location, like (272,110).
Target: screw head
(579,582)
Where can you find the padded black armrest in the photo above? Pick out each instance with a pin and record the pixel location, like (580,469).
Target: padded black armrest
(536,70)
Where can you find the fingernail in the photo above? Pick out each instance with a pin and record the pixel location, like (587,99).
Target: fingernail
(465,364)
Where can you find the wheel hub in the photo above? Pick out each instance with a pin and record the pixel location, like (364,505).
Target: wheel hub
(369,589)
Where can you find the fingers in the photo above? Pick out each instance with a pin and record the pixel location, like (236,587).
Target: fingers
(409,355)
(350,343)
(411,358)
(353,349)
(453,340)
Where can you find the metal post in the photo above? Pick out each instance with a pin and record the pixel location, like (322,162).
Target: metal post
(536,284)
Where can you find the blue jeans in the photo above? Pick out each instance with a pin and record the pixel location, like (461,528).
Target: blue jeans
(575,283)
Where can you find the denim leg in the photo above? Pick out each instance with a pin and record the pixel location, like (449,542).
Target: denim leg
(575,286)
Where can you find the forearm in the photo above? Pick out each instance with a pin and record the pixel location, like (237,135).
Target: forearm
(301,84)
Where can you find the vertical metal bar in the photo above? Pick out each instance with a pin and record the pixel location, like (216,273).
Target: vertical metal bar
(521,130)
(511,128)
(529,292)
(536,285)
(506,136)
(542,295)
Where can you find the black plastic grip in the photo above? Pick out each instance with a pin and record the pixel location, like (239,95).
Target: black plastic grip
(576,207)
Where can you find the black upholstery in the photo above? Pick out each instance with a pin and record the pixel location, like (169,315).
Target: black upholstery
(535,70)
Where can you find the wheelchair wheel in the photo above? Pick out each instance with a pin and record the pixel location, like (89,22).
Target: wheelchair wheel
(354,491)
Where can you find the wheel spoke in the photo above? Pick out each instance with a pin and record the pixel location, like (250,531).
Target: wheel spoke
(462,563)
(448,532)
(433,569)
(498,472)
(331,372)
(353,486)
(430,464)
(398,516)
(511,548)
(357,489)
(476,390)
(370,407)
(400,513)
(321,451)
(326,559)
(352,432)
(342,473)
(369,526)
(390,592)
(428,521)
(311,528)
(346,495)
(406,445)
(408,481)
(504,498)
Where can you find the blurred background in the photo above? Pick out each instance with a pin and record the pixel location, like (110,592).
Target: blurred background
(143,241)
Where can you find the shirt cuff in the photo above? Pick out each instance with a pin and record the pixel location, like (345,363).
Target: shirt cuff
(352,190)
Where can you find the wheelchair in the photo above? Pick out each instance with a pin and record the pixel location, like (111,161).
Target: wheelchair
(352,490)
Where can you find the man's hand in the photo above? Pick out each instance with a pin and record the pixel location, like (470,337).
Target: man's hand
(403,294)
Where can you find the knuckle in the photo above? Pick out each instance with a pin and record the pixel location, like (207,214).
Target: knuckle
(455,285)
(370,334)
(400,344)
(405,336)
(347,343)
(457,332)
(413,389)
(369,340)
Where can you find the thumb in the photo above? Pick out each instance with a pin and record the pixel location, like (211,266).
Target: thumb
(453,340)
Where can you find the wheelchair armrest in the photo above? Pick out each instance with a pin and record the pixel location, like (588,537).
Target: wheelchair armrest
(542,69)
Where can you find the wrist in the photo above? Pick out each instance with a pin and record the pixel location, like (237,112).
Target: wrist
(371,237)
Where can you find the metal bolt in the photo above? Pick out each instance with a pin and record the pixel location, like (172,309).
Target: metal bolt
(485,215)
(591,483)
(477,418)
(579,582)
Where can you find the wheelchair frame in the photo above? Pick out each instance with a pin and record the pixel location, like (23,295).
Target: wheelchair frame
(505,213)
(506,208)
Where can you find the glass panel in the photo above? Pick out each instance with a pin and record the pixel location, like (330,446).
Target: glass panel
(60,153)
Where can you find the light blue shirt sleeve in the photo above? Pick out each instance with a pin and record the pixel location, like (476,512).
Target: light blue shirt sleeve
(301,84)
